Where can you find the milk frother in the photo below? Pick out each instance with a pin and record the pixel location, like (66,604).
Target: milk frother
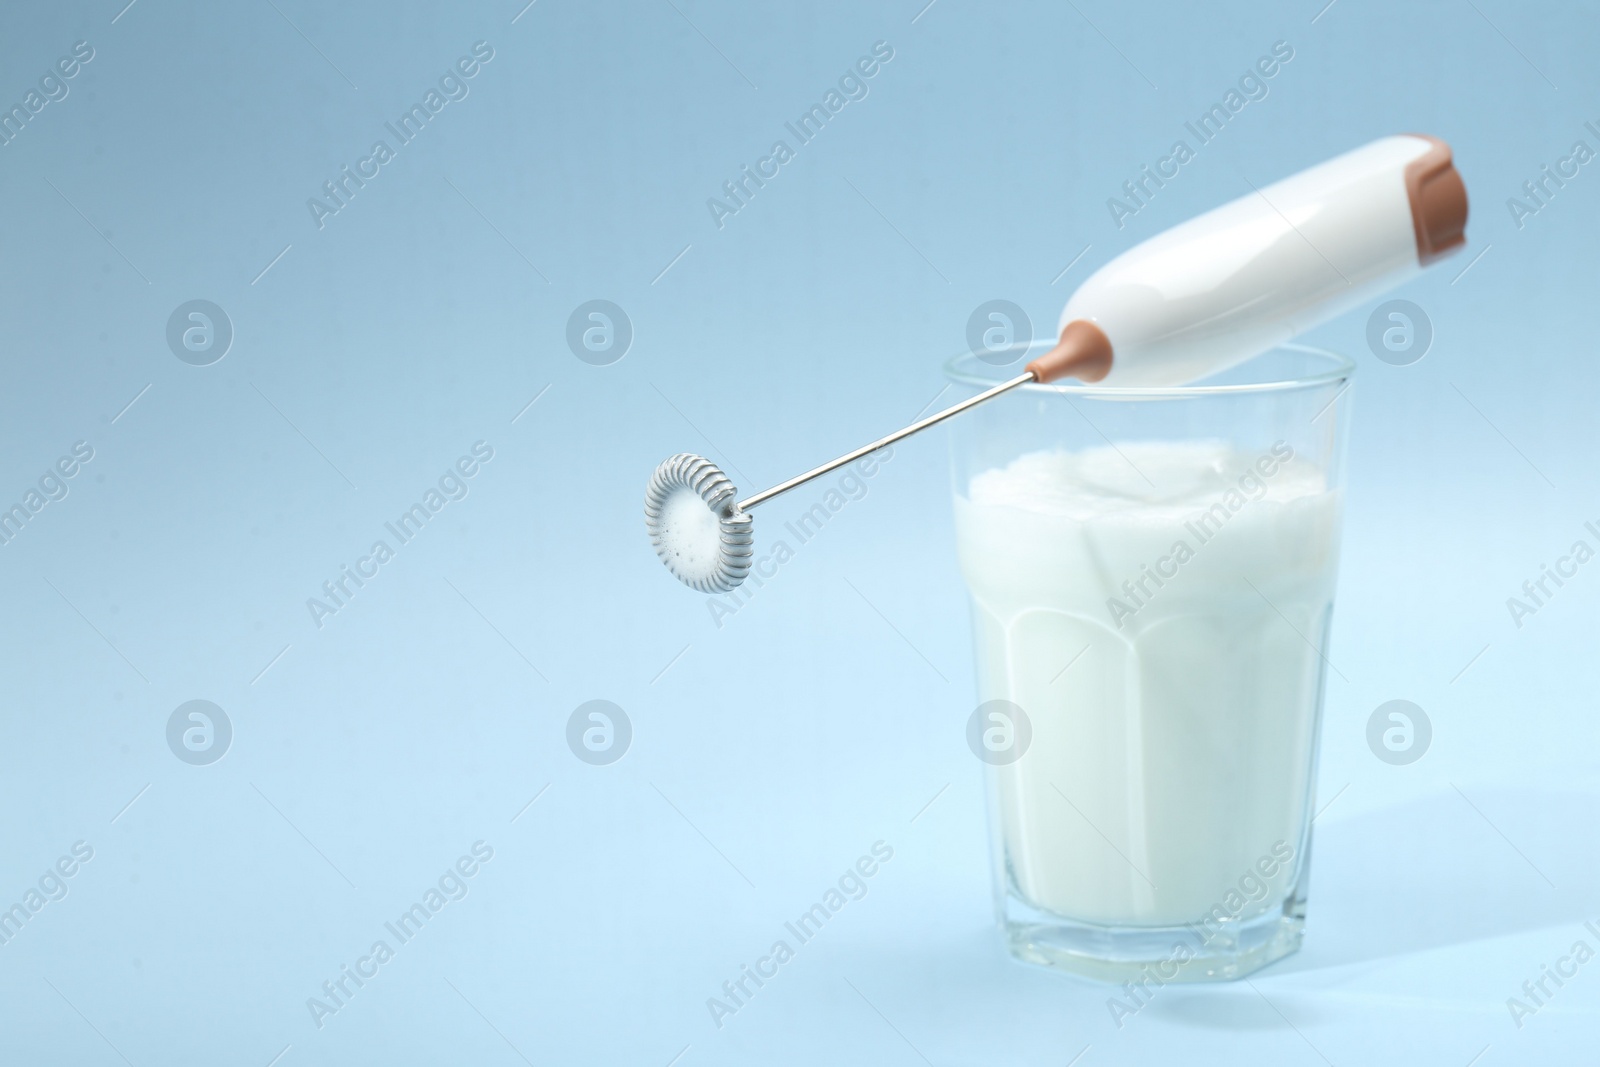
(1199,298)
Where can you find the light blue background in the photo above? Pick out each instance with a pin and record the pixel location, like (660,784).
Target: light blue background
(770,752)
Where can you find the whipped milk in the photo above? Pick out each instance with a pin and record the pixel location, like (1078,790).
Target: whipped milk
(1189,586)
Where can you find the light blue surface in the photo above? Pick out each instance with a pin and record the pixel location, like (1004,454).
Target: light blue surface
(770,752)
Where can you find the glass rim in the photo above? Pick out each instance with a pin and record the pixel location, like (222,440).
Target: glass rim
(1338,369)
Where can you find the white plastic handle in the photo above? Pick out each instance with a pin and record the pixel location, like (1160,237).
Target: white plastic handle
(1227,285)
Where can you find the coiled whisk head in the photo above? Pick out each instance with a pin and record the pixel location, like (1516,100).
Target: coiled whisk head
(692,513)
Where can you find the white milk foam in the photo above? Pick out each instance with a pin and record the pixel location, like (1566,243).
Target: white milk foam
(690,534)
(1176,750)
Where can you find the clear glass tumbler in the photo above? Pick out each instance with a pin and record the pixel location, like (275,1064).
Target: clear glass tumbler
(1151,575)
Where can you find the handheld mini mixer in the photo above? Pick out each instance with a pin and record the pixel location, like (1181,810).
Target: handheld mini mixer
(1201,297)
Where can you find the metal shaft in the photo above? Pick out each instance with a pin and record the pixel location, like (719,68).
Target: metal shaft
(898,435)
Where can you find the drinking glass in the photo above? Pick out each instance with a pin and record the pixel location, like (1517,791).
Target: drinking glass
(1151,576)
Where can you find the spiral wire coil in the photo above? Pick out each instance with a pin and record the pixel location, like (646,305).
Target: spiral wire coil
(736,534)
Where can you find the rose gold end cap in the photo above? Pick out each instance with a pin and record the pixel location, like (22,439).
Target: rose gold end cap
(1084,352)
(1438,202)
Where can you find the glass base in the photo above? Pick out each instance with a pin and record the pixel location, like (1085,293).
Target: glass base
(1152,956)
